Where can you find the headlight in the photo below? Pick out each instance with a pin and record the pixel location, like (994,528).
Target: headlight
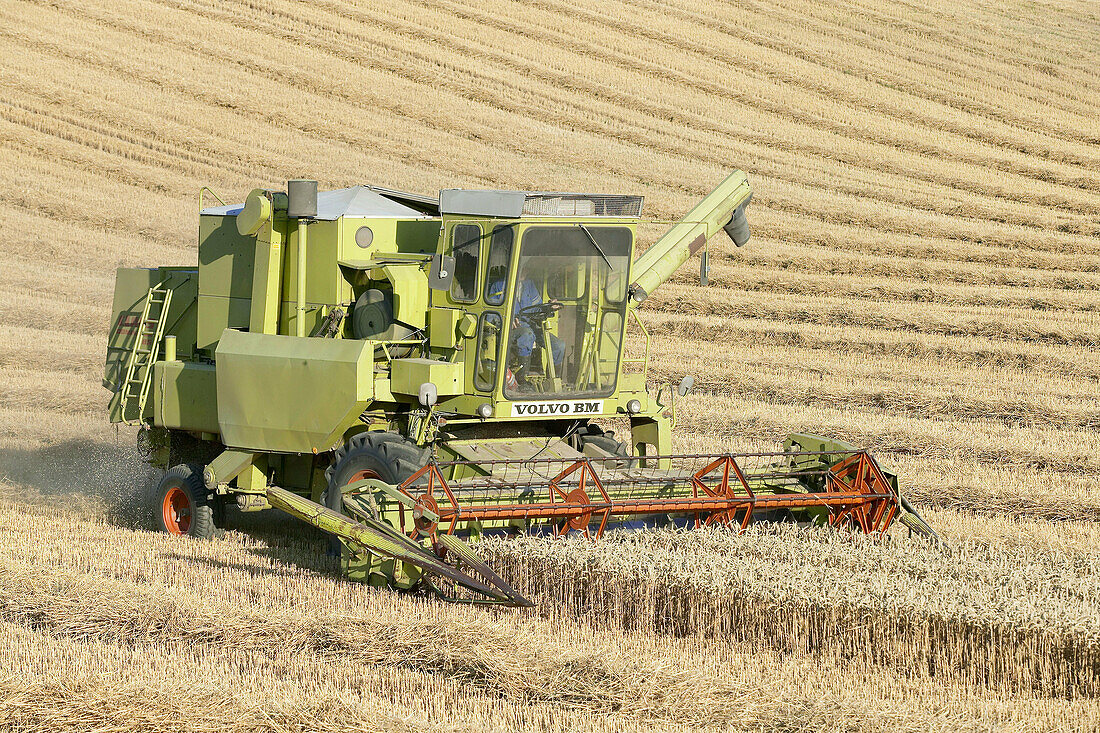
(634,407)
(485,410)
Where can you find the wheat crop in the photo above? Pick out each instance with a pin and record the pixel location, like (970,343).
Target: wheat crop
(277,642)
(990,614)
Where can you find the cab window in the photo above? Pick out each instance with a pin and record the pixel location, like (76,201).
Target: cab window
(496,270)
(466,246)
(488,351)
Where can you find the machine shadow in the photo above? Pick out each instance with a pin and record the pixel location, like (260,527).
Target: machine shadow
(293,570)
(285,540)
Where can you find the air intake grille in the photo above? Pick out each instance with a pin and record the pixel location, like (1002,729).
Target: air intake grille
(581,204)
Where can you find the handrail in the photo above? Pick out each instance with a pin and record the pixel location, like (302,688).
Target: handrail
(205,190)
(397,342)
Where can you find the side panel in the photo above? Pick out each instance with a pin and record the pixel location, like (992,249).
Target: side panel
(131,289)
(184,396)
(406,376)
(226,260)
(216,314)
(289,394)
(383,236)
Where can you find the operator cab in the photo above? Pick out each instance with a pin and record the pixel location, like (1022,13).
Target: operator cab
(547,277)
(567,311)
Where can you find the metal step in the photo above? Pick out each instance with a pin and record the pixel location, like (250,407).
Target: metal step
(134,388)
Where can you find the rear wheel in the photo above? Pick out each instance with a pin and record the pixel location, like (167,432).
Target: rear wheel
(180,505)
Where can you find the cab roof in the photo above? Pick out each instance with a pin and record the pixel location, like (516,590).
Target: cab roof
(373,202)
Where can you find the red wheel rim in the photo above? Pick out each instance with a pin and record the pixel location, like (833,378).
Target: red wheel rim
(422,524)
(577,496)
(176,509)
(361,476)
(357,476)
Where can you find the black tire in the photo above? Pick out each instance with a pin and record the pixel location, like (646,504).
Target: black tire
(180,503)
(605,441)
(386,456)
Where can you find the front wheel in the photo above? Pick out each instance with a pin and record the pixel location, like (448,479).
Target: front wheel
(180,506)
(384,456)
(373,455)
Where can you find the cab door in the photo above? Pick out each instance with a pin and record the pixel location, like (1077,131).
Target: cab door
(482,250)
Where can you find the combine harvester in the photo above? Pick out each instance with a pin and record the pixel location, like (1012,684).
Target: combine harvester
(403,371)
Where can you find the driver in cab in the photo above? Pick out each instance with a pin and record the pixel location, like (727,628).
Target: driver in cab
(528,318)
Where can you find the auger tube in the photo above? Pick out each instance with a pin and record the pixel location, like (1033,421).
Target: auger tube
(723,208)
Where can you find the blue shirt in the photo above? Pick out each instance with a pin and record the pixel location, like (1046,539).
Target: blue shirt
(527,294)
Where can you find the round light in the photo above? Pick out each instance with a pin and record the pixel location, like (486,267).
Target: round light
(485,410)
(364,236)
(634,407)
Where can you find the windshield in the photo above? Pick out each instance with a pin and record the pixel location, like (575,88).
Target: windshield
(568,312)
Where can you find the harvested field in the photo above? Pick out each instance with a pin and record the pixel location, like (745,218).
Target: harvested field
(258,619)
(923,279)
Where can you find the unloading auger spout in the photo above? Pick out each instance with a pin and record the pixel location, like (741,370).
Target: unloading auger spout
(723,208)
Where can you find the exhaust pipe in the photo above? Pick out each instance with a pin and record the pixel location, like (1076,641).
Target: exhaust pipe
(301,205)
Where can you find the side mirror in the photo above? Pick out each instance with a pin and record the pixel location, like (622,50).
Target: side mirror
(441,272)
(685,385)
(428,394)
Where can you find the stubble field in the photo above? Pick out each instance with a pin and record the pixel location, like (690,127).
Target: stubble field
(923,280)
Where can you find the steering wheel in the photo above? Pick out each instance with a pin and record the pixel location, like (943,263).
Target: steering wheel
(538,313)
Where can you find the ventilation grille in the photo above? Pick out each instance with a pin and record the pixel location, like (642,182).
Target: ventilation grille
(581,204)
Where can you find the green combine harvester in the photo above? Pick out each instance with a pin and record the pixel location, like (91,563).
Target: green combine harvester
(408,373)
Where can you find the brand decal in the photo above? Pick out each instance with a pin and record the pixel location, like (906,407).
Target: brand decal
(567,408)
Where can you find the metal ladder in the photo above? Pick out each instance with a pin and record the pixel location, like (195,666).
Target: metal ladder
(139,365)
